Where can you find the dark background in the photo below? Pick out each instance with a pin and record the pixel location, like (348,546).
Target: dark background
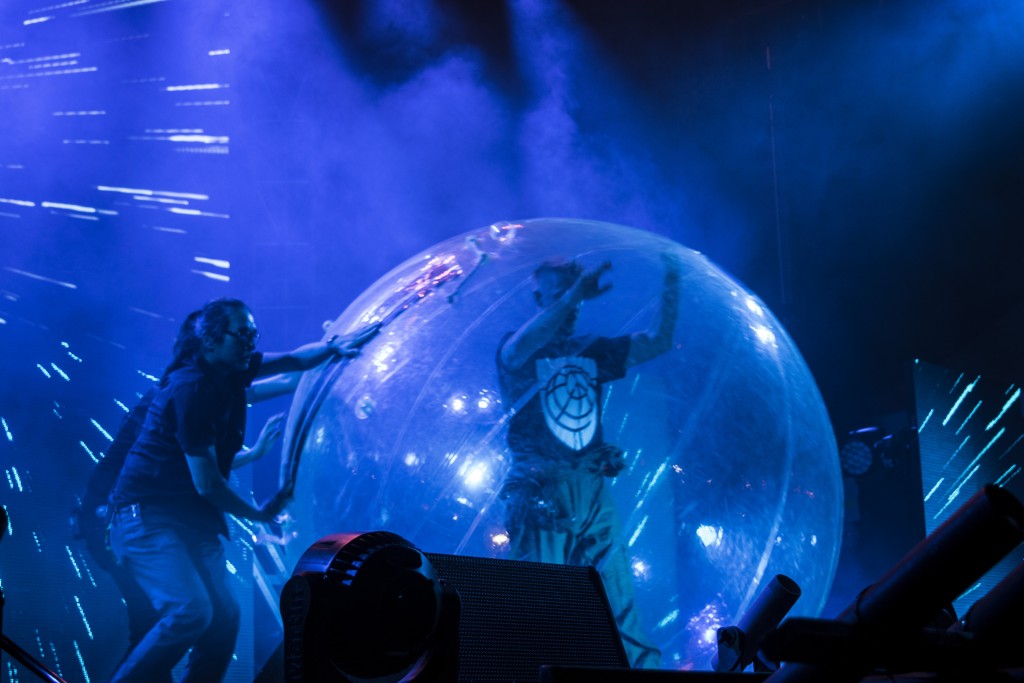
(858,165)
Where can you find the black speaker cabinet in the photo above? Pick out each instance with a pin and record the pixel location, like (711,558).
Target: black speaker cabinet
(516,616)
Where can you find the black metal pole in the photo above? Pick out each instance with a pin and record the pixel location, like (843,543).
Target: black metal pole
(9,646)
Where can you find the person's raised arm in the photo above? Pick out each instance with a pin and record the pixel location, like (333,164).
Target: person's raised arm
(264,442)
(644,346)
(542,327)
(305,357)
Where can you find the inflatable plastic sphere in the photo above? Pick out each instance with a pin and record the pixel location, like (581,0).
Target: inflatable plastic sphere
(725,466)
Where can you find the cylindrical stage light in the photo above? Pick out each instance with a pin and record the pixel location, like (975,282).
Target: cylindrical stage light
(1000,614)
(737,645)
(359,607)
(930,576)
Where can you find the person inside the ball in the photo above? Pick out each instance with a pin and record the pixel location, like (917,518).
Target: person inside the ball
(559,509)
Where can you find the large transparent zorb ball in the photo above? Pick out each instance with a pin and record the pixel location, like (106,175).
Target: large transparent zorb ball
(730,468)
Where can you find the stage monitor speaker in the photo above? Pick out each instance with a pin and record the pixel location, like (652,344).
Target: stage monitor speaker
(516,616)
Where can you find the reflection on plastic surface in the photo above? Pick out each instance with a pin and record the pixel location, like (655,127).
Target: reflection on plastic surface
(731,473)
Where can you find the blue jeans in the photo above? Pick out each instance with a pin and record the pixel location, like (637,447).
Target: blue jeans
(185,576)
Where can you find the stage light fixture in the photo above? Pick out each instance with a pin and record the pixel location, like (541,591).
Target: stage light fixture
(738,645)
(857,452)
(903,602)
(371,608)
(360,608)
(1000,614)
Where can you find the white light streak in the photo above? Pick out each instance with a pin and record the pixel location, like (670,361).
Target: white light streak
(42,278)
(61,72)
(88,629)
(196,86)
(18,202)
(7,430)
(218,53)
(81,661)
(974,463)
(74,565)
(204,103)
(196,212)
(957,451)
(44,58)
(102,431)
(37,20)
(60,6)
(934,488)
(960,399)
(94,112)
(754,307)
(1015,442)
(89,451)
(968,418)
(218,263)
(162,200)
(17,479)
(213,276)
(953,496)
(1009,474)
(162,193)
(70,62)
(1006,406)
(212,149)
(201,139)
(639,530)
(60,372)
(668,619)
(68,207)
(44,370)
(113,7)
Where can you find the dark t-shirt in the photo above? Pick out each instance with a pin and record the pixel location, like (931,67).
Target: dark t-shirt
(561,421)
(193,409)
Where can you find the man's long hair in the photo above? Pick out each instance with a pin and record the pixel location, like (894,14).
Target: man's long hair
(209,322)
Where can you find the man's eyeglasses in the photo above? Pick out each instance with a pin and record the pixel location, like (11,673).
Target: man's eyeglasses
(247,336)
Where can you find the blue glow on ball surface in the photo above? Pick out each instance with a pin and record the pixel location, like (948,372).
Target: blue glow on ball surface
(731,471)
